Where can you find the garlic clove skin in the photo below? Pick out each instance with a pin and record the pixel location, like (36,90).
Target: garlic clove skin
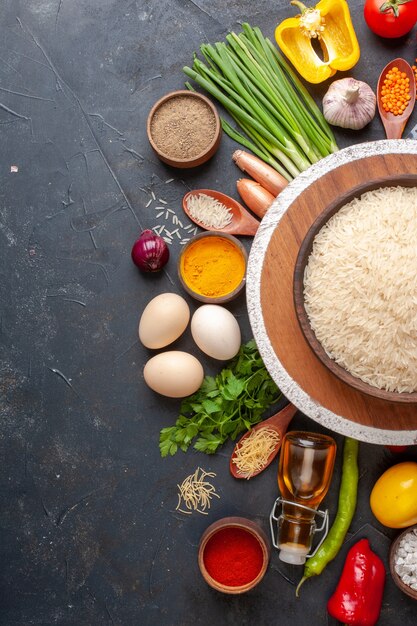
(349,103)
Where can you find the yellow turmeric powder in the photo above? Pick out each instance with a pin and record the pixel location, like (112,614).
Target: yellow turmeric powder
(212,266)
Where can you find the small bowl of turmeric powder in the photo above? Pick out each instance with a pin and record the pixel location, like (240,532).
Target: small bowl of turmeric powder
(212,267)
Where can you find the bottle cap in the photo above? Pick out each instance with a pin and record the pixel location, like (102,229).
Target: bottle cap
(296,555)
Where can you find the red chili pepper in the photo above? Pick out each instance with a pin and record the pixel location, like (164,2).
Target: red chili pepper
(358,596)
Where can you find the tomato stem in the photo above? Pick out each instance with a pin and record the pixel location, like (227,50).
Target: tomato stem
(392,5)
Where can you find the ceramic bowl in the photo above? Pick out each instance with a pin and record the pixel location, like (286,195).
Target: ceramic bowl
(209,149)
(244,525)
(208,299)
(406,180)
(392,554)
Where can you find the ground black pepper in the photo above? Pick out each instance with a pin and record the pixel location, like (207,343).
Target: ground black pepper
(183,127)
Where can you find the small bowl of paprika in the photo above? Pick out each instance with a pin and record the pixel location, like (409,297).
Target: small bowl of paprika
(233,555)
(212,267)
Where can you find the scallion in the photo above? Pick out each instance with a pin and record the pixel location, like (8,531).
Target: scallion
(250,78)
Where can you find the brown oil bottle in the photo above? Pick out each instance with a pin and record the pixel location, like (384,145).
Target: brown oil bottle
(304,475)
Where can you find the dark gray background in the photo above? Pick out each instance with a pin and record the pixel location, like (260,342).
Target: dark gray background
(89,532)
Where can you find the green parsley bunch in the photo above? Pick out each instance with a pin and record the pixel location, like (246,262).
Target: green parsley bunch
(225,405)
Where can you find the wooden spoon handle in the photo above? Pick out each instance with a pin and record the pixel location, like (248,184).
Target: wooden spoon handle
(279,423)
(247,225)
(281,420)
(394,131)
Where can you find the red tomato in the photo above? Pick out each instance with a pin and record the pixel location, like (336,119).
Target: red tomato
(390,18)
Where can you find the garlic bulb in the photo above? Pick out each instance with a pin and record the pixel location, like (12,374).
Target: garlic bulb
(349,103)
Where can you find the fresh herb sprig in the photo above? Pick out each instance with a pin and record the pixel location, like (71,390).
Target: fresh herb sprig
(224,406)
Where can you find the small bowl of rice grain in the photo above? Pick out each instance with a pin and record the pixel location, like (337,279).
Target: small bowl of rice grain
(355,288)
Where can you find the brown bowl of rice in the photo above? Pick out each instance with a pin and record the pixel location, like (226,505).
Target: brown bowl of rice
(355,288)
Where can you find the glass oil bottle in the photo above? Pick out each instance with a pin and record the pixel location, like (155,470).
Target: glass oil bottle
(304,476)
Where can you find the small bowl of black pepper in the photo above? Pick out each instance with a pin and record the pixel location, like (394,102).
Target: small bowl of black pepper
(403,561)
(184,129)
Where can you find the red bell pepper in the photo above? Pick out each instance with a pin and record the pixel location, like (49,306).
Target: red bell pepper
(397,449)
(358,596)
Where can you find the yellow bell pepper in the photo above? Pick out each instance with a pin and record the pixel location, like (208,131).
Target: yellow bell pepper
(394,496)
(329,22)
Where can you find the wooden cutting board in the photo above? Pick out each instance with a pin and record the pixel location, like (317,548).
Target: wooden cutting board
(277,306)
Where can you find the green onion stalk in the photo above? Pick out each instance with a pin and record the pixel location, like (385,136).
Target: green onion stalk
(280,120)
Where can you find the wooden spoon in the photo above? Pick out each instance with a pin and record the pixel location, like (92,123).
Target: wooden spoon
(394,124)
(243,223)
(278,422)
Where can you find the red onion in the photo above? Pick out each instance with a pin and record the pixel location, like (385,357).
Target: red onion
(150,252)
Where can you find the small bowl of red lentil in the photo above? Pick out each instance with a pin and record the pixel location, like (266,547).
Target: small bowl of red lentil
(233,555)
(184,129)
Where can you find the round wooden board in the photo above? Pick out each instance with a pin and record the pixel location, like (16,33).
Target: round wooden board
(299,373)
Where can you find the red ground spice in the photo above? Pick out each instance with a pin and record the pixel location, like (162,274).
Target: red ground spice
(233,557)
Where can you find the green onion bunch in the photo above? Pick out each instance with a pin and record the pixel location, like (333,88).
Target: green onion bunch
(251,79)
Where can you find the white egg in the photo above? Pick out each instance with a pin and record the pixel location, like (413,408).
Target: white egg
(216,331)
(174,374)
(163,320)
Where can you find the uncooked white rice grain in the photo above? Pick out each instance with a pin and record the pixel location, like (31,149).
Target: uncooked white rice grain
(209,211)
(360,288)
